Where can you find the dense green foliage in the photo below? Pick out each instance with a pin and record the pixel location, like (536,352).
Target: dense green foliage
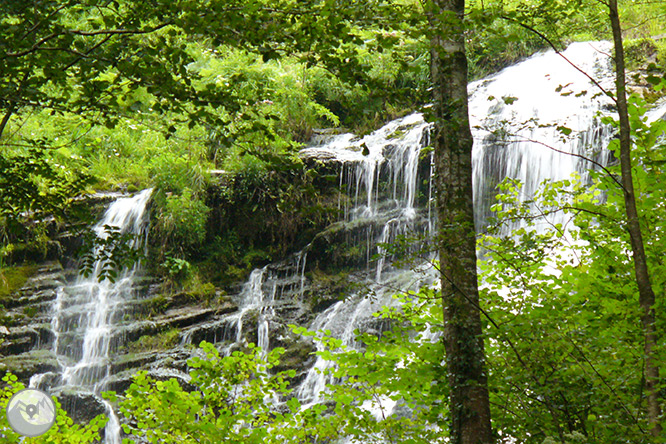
(227,404)
(580,370)
(136,94)
(133,95)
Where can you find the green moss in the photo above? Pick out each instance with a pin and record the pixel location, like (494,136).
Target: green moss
(232,274)
(156,305)
(397,134)
(329,287)
(296,354)
(254,257)
(30,311)
(13,278)
(32,362)
(161,341)
(203,292)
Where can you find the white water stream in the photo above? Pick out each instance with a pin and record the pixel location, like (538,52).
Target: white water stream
(515,116)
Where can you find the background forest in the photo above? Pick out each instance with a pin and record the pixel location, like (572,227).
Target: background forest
(210,102)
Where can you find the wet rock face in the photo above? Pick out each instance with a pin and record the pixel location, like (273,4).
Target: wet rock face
(82,407)
(29,363)
(298,355)
(26,316)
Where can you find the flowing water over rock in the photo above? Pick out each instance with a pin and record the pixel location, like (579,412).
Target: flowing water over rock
(86,312)
(535,121)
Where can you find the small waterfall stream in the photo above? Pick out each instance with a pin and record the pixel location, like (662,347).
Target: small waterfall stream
(93,304)
(85,312)
(384,176)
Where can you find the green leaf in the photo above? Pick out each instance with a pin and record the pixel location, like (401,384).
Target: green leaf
(564,130)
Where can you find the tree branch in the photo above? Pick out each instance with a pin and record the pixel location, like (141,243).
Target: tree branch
(558,52)
(107,32)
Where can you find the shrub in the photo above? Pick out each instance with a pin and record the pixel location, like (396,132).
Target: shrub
(181,223)
(64,430)
(176,268)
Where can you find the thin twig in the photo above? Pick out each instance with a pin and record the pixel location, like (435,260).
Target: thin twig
(558,52)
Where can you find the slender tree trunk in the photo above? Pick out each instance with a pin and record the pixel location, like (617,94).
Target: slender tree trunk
(5,120)
(646,294)
(452,140)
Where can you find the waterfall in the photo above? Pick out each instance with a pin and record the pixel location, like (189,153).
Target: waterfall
(515,116)
(256,307)
(382,165)
(383,175)
(657,113)
(86,312)
(537,120)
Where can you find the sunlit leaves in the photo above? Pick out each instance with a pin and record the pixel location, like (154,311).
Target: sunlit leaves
(231,401)
(399,371)
(569,319)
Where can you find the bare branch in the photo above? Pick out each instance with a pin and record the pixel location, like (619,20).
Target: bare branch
(580,156)
(558,52)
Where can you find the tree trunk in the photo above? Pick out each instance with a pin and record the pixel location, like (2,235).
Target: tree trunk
(452,140)
(646,294)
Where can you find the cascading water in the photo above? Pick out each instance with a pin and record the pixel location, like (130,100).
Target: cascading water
(256,307)
(521,118)
(381,174)
(657,113)
(533,121)
(231,327)
(85,312)
(391,154)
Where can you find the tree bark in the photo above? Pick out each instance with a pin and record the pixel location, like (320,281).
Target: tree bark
(452,142)
(645,291)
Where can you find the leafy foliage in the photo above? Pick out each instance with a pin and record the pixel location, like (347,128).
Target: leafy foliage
(229,402)
(579,367)
(139,93)
(109,253)
(35,185)
(64,431)
(376,396)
